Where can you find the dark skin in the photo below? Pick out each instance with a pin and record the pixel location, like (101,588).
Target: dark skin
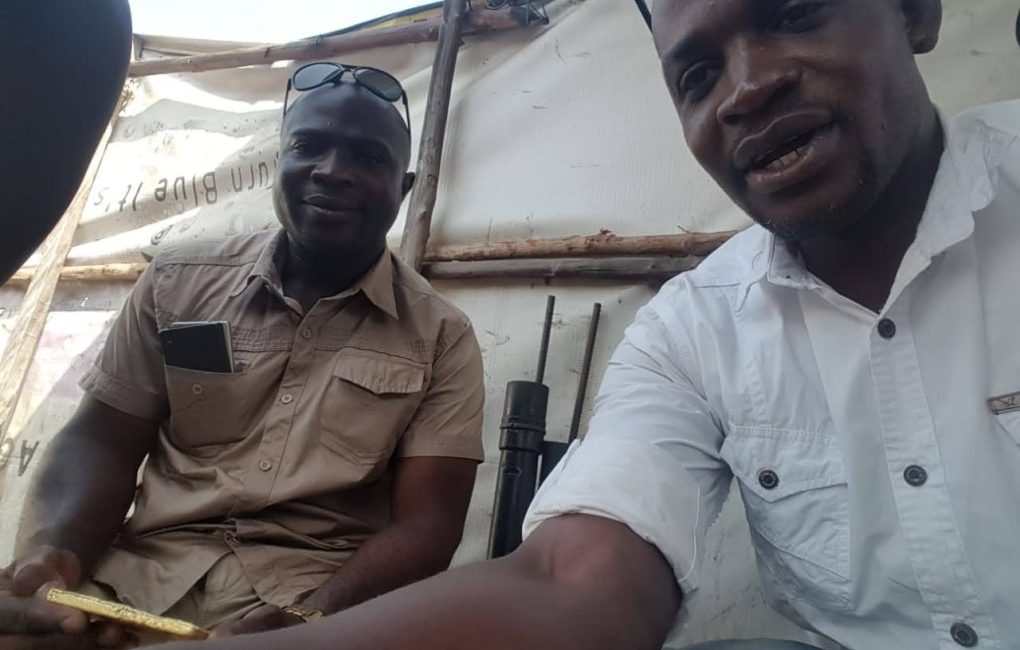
(835,76)
(339,185)
(584,582)
(54,54)
(578,583)
(341,181)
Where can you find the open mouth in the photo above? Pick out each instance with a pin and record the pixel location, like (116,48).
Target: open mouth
(786,154)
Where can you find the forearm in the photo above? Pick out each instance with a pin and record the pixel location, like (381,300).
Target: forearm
(493,605)
(396,556)
(80,500)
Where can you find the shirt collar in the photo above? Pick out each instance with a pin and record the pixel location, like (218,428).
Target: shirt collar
(376,284)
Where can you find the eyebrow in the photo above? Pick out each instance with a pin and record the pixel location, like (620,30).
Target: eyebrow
(687,47)
(327,134)
(697,41)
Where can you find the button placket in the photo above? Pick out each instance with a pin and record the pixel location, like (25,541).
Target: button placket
(934,544)
(274,440)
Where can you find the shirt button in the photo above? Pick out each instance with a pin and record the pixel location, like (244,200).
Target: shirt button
(964,635)
(287,399)
(265,464)
(197,389)
(768,479)
(886,328)
(306,333)
(915,475)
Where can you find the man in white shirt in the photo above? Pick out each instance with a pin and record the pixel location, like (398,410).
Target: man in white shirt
(851,361)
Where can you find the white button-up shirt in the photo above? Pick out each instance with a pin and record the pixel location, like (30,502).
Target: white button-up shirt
(881,484)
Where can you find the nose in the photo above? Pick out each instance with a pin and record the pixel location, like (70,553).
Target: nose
(758,77)
(332,169)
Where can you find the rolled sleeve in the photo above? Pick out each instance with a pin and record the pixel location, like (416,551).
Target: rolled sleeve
(129,374)
(448,421)
(650,459)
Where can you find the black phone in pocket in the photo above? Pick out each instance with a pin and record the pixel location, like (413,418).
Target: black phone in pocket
(203,346)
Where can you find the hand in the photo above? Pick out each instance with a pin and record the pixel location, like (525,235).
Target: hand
(267,617)
(31,624)
(34,574)
(27,623)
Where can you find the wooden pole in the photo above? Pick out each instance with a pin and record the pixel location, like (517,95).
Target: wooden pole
(592,249)
(430,154)
(31,319)
(603,244)
(478,21)
(94,273)
(639,268)
(655,269)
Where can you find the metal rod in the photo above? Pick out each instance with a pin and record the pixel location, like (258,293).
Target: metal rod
(543,348)
(645,13)
(582,385)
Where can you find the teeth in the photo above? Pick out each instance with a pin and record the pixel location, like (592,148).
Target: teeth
(784,161)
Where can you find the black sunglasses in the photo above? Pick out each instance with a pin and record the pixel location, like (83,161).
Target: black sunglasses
(379,83)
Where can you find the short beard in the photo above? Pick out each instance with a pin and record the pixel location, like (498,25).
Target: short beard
(837,218)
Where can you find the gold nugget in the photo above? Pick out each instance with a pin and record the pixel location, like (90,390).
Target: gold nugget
(128,616)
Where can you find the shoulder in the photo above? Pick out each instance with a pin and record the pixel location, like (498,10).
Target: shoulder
(1001,118)
(414,292)
(695,312)
(236,251)
(718,281)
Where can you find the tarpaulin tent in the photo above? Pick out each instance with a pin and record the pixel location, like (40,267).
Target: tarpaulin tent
(554,130)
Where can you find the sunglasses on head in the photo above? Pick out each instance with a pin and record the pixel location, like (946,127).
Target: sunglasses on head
(379,83)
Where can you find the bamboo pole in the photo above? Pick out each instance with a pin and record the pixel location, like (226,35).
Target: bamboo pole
(31,319)
(430,154)
(478,21)
(603,244)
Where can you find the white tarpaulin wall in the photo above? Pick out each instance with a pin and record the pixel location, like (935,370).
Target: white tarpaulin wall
(558,130)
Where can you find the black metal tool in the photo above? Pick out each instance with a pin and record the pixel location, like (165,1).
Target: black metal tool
(522,433)
(552,451)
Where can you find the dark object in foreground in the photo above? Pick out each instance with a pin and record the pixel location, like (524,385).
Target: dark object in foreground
(62,68)
(522,433)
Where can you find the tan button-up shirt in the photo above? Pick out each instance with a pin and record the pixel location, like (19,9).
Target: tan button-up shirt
(286,461)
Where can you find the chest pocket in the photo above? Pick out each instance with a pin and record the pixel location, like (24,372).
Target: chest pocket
(795,492)
(208,409)
(370,401)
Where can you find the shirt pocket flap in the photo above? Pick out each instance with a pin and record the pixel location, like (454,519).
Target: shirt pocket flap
(1010,421)
(775,464)
(379,373)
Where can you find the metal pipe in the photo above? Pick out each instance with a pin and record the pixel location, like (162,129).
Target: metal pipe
(582,386)
(543,348)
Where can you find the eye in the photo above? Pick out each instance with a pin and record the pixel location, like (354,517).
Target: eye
(303,147)
(371,159)
(797,16)
(698,81)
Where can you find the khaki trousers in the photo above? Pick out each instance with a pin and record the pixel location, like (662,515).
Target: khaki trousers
(223,596)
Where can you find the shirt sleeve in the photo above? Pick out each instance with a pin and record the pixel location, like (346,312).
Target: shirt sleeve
(129,373)
(448,421)
(651,458)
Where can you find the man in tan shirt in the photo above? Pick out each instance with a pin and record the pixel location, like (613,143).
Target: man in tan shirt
(333,464)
